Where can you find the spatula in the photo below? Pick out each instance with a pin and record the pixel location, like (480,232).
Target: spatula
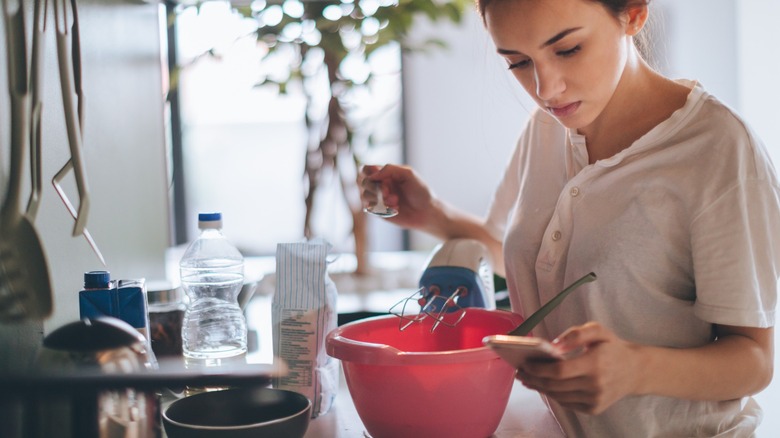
(526,326)
(25,291)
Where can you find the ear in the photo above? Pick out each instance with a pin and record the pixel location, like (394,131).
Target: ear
(636,17)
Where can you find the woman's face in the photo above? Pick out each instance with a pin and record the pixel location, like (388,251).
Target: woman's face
(569,55)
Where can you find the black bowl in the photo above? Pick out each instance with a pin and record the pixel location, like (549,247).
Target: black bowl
(240,412)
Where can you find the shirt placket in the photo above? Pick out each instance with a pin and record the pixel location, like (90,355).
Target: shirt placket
(558,233)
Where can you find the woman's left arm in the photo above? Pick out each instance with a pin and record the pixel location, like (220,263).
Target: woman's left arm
(739,362)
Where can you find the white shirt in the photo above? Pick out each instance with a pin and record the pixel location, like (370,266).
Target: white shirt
(682,229)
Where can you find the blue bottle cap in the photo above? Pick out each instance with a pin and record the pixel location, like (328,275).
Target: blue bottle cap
(97,279)
(210,220)
(208,217)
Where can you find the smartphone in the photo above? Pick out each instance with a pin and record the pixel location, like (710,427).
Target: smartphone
(518,349)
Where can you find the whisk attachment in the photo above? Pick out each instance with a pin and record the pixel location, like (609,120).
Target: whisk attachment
(408,317)
(431,303)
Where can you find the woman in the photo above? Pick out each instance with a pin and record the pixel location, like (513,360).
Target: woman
(654,185)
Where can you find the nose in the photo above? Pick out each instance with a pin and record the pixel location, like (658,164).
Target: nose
(549,82)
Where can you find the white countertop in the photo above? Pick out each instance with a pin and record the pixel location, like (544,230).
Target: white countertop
(526,416)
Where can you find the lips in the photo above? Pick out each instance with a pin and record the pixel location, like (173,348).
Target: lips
(564,110)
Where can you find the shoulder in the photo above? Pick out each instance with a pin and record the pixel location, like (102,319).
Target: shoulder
(720,119)
(708,116)
(725,136)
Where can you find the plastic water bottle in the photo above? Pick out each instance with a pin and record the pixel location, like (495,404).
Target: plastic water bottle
(212,273)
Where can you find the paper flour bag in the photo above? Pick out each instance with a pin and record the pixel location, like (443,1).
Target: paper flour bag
(304,312)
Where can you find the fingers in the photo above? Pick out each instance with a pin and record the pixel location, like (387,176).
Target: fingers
(369,169)
(364,176)
(582,336)
(371,174)
(552,385)
(557,370)
(576,393)
(581,393)
(576,340)
(402,190)
(373,179)
(591,381)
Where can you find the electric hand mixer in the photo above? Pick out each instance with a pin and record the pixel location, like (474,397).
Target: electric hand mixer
(457,275)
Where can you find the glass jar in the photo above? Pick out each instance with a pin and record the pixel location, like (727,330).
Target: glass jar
(166,318)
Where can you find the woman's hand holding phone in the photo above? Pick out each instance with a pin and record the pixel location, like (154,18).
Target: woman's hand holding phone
(517,350)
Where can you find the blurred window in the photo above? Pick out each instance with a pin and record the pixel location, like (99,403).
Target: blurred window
(244,143)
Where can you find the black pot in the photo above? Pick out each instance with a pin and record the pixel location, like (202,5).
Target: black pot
(239,413)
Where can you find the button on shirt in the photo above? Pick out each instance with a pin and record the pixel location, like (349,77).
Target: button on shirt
(681,229)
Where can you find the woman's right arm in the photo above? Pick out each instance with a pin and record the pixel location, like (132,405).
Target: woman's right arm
(419,209)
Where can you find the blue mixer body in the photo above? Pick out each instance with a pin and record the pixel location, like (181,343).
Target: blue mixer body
(446,280)
(457,275)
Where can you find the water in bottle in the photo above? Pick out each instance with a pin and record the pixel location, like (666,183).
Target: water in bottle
(212,273)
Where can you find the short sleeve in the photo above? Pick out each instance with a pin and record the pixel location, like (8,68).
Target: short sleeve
(504,197)
(736,248)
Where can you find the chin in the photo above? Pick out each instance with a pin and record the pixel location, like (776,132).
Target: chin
(575,121)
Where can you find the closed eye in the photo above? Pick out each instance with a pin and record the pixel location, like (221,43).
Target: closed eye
(563,53)
(520,64)
(570,52)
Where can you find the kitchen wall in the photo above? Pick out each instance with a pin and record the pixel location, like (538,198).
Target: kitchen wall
(463,114)
(125,154)
(758,70)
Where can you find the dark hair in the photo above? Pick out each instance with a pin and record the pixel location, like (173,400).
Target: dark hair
(616,7)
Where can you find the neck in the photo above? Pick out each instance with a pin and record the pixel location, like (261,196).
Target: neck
(643,98)
(632,87)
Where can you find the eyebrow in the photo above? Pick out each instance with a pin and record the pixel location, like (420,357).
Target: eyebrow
(559,36)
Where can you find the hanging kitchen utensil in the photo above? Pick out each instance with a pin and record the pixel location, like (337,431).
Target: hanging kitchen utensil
(25,291)
(36,86)
(69,59)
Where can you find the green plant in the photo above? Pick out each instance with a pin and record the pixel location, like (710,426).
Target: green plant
(317,38)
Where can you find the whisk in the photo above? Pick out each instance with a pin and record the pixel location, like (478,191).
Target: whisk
(430,303)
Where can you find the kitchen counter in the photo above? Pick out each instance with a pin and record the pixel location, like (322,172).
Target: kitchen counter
(525,416)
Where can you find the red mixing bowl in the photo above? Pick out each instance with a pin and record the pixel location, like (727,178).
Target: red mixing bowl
(414,383)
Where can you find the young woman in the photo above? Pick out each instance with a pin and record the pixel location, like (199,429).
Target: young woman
(654,185)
